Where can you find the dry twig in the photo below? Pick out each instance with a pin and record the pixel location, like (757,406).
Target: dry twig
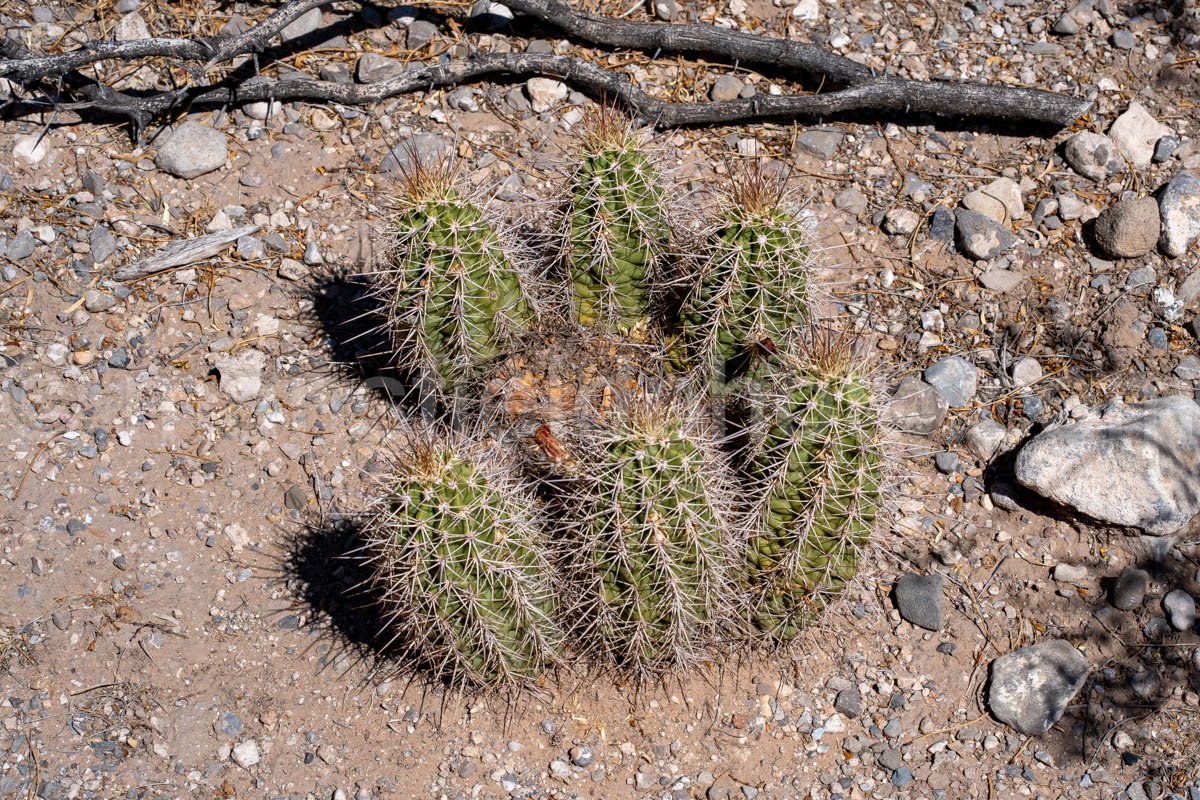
(854,87)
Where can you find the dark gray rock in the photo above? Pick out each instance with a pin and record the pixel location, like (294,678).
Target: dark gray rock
(1031,687)
(1126,465)
(848,702)
(981,238)
(1128,229)
(919,600)
(1179,207)
(941,225)
(1130,589)
(1165,147)
(916,407)
(103,243)
(955,378)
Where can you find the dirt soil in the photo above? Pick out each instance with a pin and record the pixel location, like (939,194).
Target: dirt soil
(177,617)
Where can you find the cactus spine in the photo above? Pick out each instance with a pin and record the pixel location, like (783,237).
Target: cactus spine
(819,469)
(652,536)
(616,233)
(753,284)
(459,560)
(455,297)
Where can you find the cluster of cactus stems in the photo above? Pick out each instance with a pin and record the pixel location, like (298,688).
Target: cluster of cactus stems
(661,545)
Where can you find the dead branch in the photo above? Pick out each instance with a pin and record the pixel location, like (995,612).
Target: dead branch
(855,88)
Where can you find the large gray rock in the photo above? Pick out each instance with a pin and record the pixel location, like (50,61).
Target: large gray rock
(1031,687)
(1179,205)
(424,148)
(1128,229)
(1127,465)
(192,150)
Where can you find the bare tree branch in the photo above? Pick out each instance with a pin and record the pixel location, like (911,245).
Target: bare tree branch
(856,88)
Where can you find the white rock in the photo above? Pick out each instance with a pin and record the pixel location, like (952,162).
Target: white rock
(1026,372)
(132,28)
(246,753)
(1127,465)
(192,150)
(545,93)
(807,10)
(1179,205)
(985,438)
(1135,133)
(241,374)
(262,109)
(31,149)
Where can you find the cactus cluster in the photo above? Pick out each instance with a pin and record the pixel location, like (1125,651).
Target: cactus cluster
(662,543)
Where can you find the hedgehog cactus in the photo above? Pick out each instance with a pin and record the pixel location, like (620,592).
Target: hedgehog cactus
(459,561)
(454,296)
(819,469)
(753,284)
(652,545)
(616,232)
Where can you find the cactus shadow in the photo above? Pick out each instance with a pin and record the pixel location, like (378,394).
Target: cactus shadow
(351,320)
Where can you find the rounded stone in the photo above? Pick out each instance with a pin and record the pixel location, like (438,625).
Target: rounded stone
(1128,229)
(192,150)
